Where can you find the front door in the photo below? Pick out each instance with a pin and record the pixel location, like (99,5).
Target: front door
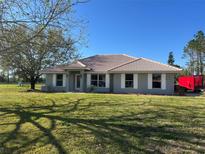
(77,82)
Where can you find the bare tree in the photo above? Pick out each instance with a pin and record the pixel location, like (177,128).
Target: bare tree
(35,13)
(35,34)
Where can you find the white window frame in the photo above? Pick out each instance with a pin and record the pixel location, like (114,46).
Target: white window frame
(160,80)
(64,80)
(135,81)
(57,80)
(88,80)
(98,80)
(122,81)
(149,81)
(54,80)
(163,82)
(107,80)
(130,80)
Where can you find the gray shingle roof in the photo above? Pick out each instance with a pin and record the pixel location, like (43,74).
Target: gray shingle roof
(103,63)
(144,65)
(62,68)
(114,63)
(56,69)
(75,65)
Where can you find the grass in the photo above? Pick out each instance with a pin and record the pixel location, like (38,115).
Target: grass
(99,123)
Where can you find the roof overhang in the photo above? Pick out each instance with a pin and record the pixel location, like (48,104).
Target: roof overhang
(76,68)
(156,71)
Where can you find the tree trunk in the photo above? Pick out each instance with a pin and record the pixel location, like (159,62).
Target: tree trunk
(33,83)
(197,64)
(201,68)
(8,80)
(200,63)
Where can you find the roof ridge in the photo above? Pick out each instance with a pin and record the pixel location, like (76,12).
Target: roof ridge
(160,63)
(80,63)
(124,64)
(108,54)
(130,56)
(122,54)
(86,58)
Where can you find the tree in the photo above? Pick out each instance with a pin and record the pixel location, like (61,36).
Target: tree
(48,48)
(5,71)
(194,51)
(185,72)
(35,34)
(44,14)
(171,59)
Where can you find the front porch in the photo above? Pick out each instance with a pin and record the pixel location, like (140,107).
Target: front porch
(69,81)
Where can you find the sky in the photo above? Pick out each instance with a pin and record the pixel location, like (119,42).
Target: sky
(141,28)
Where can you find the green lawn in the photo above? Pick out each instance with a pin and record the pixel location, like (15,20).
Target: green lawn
(99,123)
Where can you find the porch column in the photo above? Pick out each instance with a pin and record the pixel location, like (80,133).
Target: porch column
(54,80)
(82,81)
(149,81)
(67,81)
(107,80)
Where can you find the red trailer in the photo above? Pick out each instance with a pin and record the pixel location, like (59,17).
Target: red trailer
(193,82)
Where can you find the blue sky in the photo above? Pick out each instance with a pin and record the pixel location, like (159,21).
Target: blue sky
(141,28)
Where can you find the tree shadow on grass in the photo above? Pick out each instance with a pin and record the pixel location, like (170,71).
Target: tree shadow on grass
(130,133)
(26,116)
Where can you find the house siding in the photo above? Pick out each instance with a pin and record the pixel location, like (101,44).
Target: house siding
(49,85)
(143,85)
(115,84)
(49,80)
(96,89)
(72,81)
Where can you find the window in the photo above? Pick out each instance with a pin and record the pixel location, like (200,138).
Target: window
(156,81)
(128,80)
(98,80)
(59,80)
(94,80)
(101,80)
(77,81)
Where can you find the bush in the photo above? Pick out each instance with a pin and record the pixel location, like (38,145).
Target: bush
(91,88)
(182,91)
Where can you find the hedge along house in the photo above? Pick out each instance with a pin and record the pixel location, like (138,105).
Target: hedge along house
(112,74)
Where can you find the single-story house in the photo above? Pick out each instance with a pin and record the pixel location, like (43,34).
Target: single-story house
(112,74)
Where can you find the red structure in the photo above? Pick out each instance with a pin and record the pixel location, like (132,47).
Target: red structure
(194,82)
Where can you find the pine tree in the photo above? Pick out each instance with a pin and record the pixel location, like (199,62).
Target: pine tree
(171,59)
(194,51)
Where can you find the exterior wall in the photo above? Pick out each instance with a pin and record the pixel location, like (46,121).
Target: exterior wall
(72,80)
(84,82)
(69,85)
(96,89)
(49,80)
(49,85)
(143,85)
(115,84)
(111,83)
